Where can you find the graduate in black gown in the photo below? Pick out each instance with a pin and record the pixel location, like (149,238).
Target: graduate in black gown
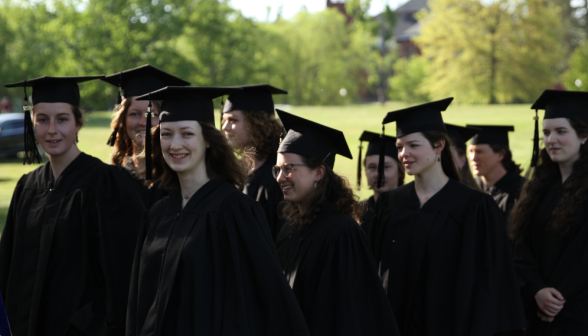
(250,125)
(550,221)
(498,175)
(129,121)
(459,137)
(67,248)
(205,262)
(441,247)
(393,170)
(324,252)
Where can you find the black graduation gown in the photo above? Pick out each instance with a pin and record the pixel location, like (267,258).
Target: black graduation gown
(263,188)
(446,267)
(209,269)
(368,206)
(67,250)
(149,196)
(547,259)
(506,191)
(332,272)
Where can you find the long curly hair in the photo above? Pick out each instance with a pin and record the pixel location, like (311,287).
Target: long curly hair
(331,190)
(447,162)
(123,144)
(575,192)
(264,133)
(507,161)
(221,162)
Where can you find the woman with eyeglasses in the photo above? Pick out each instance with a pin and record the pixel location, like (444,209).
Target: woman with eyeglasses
(323,251)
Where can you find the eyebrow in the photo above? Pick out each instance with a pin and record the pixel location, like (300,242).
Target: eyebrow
(557,128)
(58,114)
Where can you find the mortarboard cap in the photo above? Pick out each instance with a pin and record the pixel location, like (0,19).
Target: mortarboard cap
(558,104)
(374,146)
(181,103)
(142,80)
(420,118)
(459,135)
(311,139)
(492,134)
(47,90)
(253,98)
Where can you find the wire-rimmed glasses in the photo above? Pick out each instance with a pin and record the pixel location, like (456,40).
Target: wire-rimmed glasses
(287,169)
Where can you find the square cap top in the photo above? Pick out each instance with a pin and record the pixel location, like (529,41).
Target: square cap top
(142,80)
(253,98)
(492,134)
(375,142)
(563,104)
(48,89)
(312,139)
(187,103)
(420,118)
(459,135)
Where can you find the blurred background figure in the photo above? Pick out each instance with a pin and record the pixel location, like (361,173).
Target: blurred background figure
(5,106)
(459,136)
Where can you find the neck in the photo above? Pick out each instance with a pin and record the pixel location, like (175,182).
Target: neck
(376,195)
(494,176)
(430,182)
(60,162)
(565,169)
(192,181)
(258,163)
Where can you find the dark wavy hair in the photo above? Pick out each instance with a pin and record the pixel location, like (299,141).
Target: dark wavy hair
(331,190)
(465,173)
(221,162)
(574,196)
(123,145)
(264,132)
(447,162)
(507,161)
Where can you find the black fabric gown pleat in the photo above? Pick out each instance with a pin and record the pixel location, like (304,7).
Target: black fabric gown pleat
(544,258)
(446,267)
(263,188)
(368,206)
(333,275)
(209,269)
(67,250)
(506,192)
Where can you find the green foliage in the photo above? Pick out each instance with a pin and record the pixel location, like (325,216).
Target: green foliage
(503,51)
(578,70)
(407,83)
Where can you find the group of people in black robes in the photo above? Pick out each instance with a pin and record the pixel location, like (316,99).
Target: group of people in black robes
(248,229)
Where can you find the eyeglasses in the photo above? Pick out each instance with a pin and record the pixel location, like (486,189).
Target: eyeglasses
(287,169)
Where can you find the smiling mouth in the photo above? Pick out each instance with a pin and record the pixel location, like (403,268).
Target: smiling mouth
(178,156)
(286,188)
(53,141)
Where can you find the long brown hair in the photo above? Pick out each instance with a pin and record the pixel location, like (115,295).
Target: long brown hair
(447,162)
(331,190)
(220,159)
(507,161)
(575,191)
(123,145)
(264,133)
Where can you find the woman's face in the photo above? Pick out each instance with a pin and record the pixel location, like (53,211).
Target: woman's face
(235,128)
(137,121)
(183,146)
(416,153)
(390,173)
(561,140)
(55,127)
(298,186)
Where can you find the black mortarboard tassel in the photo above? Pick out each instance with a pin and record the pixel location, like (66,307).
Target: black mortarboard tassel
(30,143)
(535,157)
(148,166)
(381,177)
(112,138)
(221,112)
(120,93)
(359,166)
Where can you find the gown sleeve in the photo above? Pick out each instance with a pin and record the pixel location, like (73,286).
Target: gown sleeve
(350,299)
(133,304)
(487,295)
(266,301)
(117,211)
(528,270)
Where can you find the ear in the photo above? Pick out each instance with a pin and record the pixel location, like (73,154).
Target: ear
(501,154)
(319,173)
(439,145)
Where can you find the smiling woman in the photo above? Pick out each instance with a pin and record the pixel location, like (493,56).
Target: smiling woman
(66,250)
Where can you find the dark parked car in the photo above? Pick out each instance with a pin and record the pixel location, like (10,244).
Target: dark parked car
(12,134)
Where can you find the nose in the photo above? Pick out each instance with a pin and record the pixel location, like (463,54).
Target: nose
(281,177)
(176,142)
(225,125)
(52,128)
(143,121)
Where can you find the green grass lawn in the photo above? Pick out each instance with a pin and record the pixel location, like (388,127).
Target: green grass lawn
(352,120)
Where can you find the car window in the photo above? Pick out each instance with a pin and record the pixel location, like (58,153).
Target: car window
(12,125)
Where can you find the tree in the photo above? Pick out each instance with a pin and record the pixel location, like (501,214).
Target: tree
(501,51)
(409,75)
(576,78)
